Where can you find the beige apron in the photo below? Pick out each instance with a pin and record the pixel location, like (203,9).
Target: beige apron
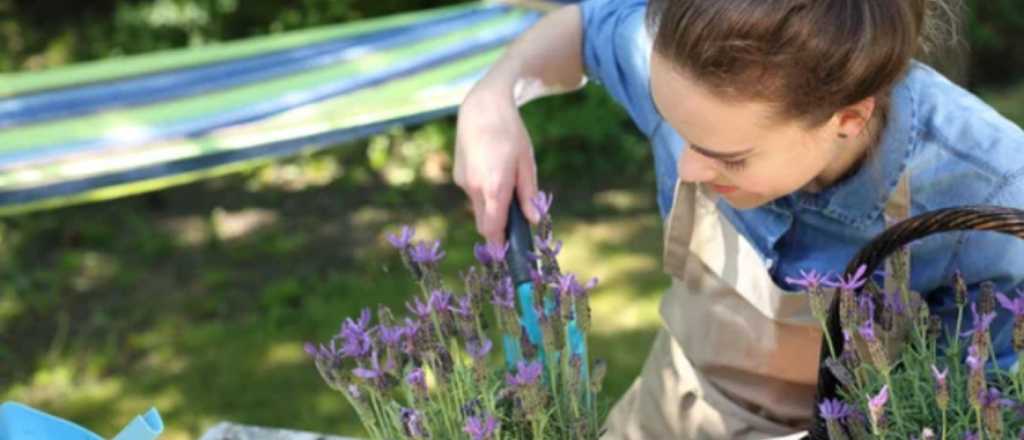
(738,356)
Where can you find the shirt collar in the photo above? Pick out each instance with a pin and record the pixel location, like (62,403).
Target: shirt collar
(859,199)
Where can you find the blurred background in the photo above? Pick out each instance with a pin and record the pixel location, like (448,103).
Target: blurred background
(197,299)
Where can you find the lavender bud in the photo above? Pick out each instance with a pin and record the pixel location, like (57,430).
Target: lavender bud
(941,387)
(412,423)
(987,298)
(876,409)
(960,288)
(417,381)
(991,403)
(976,377)
(480,428)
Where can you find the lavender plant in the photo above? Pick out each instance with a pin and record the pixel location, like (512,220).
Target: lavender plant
(434,375)
(899,381)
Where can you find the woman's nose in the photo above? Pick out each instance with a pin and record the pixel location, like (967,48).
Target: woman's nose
(694,168)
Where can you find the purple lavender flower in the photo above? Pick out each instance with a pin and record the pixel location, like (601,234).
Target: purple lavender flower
(879,400)
(362,323)
(440,302)
(481,254)
(542,202)
(526,374)
(423,253)
(981,321)
(478,349)
(480,429)
(834,409)
(970,435)
(464,308)
(402,240)
(1015,306)
(391,336)
(566,286)
(410,332)
(496,252)
(867,331)
(356,341)
(419,308)
(320,353)
(311,350)
(547,246)
(876,407)
(412,422)
(940,376)
(851,282)
(417,380)
(974,359)
(374,372)
(993,397)
(808,280)
(504,294)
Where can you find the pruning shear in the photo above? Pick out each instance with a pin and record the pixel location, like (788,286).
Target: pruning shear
(520,239)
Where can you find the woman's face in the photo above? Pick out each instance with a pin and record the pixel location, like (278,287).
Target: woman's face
(736,148)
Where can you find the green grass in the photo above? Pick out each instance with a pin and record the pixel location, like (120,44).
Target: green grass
(1008,100)
(197,299)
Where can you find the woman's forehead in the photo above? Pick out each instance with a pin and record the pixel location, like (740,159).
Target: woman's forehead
(703,116)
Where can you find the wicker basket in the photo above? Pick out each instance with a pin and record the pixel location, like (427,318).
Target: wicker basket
(968,218)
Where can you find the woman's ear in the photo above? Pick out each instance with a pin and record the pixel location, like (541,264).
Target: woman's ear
(850,121)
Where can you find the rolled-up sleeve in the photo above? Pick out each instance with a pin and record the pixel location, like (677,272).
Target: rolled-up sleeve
(616,54)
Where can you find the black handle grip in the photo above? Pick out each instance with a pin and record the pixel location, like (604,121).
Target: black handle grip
(520,239)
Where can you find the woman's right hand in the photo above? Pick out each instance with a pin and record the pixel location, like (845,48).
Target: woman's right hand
(494,159)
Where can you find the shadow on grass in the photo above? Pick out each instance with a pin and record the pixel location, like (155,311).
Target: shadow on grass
(197,299)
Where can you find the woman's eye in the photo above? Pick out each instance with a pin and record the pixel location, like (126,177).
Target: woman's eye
(734,165)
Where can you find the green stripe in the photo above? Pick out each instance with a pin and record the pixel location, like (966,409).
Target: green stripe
(93,126)
(389,101)
(119,67)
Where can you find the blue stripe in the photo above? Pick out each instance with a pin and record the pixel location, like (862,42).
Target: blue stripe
(204,125)
(272,150)
(193,81)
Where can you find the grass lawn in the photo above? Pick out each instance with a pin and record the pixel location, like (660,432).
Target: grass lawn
(197,299)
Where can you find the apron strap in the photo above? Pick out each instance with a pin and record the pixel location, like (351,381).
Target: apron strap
(897,209)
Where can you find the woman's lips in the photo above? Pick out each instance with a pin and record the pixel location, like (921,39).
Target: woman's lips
(721,189)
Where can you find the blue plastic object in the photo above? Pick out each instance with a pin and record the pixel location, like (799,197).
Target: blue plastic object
(22,422)
(520,241)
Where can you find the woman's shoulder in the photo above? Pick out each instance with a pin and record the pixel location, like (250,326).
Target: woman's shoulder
(964,151)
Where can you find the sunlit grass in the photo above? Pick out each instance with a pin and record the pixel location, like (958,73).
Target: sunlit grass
(201,305)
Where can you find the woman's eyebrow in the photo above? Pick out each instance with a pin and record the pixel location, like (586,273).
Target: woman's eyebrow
(721,156)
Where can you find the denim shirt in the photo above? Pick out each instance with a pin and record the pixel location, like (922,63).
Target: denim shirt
(957,149)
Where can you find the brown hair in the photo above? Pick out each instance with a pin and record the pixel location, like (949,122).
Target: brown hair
(810,57)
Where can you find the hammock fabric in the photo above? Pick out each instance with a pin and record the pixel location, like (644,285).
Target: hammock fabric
(117,127)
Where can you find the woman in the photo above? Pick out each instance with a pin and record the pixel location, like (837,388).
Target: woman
(786,133)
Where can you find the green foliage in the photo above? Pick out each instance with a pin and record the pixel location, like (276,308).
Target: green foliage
(995,29)
(587,135)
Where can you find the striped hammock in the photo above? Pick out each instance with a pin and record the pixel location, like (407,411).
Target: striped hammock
(117,127)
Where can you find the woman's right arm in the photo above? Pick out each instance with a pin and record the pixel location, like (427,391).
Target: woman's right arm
(493,152)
